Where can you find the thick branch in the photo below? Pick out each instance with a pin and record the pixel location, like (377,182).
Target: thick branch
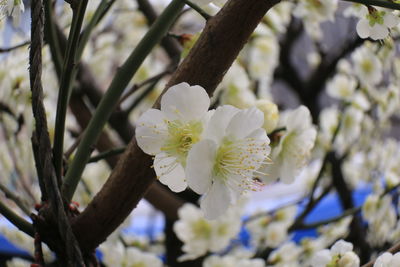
(218,46)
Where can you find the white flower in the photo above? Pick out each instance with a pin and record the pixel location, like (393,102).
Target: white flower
(263,55)
(14,9)
(342,87)
(349,259)
(286,255)
(271,114)
(376,24)
(294,147)
(367,66)
(169,133)
(321,258)
(340,255)
(341,247)
(388,260)
(118,255)
(231,261)
(350,128)
(222,165)
(275,234)
(313,12)
(200,235)
(235,88)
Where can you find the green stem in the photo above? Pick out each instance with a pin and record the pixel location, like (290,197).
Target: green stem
(15,219)
(122,78)
(67,77)
(106,154)
(100,12)
(198,9)
(51,36)
(380,3)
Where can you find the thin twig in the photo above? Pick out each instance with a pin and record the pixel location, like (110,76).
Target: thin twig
(106,154)
(142,96)
(198,9)
(9,49)
(72,148)
(150,80)
(16,220)
(21,203)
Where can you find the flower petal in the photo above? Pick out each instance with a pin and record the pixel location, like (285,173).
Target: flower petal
(379,31)
(151,131)
(219,121)
(363,28)
(199,164)
(185,102)
(390,20)
(216,201)
(245,122)
(298,119)
(170,172)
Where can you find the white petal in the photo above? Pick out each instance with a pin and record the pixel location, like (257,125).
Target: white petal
(390,20)
(151,131)
(298,119)
(216,201)
(170,172)
(185,102)
(379,31)
(219,121)
(288,170)
(245,122)
(199,165)
(363,28)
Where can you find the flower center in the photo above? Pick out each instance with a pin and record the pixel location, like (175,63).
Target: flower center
(182,135)
(367,66)
(201,228)
(237,161)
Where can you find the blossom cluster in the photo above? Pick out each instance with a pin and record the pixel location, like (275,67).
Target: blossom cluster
(216,153)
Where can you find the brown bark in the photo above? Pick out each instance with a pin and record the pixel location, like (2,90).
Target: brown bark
(218,46)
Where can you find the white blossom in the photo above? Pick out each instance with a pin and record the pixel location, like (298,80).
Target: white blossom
(169,133)
(342,87)
(388,259)
(222,166)
(376,23)
(367,66)
(294,148)
(200,235)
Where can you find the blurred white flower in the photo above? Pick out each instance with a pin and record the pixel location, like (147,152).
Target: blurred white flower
(294,148)
(231,261)
(376,23)
(115,254)
(367,66)
(342,87)
(340,255)
(387,259)
(271,114)
(200,235)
